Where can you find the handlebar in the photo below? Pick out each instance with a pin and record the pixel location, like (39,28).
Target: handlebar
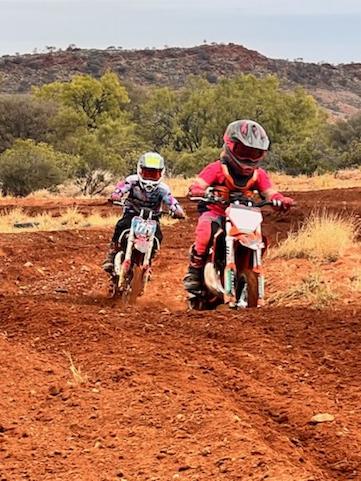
(235,198)
(155,214)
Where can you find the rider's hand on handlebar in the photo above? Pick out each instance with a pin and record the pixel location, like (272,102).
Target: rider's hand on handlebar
(209,193)
(116,197)
(282,203)
(196,190)
(177,214)
(218,194)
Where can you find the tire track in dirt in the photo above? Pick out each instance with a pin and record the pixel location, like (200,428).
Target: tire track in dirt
(169,394)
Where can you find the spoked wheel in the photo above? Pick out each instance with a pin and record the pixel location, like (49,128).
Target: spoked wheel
(196,303)
(247,288)
(114,290)
(136,284)
(120,290)
(132,286)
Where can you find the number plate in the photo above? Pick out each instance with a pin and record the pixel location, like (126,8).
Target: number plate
(143,227)
(246,219)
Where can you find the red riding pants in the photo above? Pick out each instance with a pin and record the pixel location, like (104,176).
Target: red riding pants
(204,231)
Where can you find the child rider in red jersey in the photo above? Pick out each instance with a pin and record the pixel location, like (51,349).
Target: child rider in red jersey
(237,170)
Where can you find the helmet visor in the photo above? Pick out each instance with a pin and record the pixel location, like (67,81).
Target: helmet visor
(243,152)
(151,174)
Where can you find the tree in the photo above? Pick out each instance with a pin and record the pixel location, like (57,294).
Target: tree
(189,164)
(344,132)
(307,157)
(113,149)
(196,112)
(157,118)
(28,166)
(352,156)
(24,117)
(93,123)
(95,99)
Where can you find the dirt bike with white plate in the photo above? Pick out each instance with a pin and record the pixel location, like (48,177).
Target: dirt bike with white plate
(132,262)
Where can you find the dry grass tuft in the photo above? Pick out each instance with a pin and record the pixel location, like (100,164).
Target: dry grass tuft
(70,219)
(10,217)
(342,179)
(324,236)
(97,220)
(312,290)
(179,185)
(78,377)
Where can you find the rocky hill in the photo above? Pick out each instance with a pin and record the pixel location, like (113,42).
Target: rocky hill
(336,87)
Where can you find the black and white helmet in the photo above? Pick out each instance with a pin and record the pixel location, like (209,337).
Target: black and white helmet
(150,170)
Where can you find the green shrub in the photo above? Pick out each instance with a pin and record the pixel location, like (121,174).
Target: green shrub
(189,164)
(28,166)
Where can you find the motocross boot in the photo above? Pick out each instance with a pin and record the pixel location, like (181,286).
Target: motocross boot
(193,280)
(108,263)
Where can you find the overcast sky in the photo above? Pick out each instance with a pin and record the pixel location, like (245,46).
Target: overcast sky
(317,30)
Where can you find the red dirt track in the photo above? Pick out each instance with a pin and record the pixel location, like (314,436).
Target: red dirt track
(169,394)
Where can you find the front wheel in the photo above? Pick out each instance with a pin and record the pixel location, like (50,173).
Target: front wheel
(205,301)
(127,285)
(114,290)
(247,288)
(136,284)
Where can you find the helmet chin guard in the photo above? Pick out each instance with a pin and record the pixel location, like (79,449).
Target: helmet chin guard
(148,186)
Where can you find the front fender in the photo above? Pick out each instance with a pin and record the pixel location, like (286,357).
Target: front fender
(252,241)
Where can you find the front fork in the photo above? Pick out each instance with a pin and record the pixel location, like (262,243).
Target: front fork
(230,272)
(124,268)
(147,258)
(258,268)
(230,269)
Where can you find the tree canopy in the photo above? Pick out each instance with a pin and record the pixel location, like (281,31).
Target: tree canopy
(102,128)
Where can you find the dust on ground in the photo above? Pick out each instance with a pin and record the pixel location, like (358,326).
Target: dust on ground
(96,391)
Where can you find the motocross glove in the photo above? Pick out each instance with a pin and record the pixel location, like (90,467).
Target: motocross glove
(116,196)
(195,190)
(282,203)
(177,212)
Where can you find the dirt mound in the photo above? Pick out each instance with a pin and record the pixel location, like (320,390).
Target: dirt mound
(93,390)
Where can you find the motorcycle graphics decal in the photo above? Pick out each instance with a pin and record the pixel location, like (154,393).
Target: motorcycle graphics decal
(143,227)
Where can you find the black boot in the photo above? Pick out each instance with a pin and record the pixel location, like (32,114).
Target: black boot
(108,263)
(193,280)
